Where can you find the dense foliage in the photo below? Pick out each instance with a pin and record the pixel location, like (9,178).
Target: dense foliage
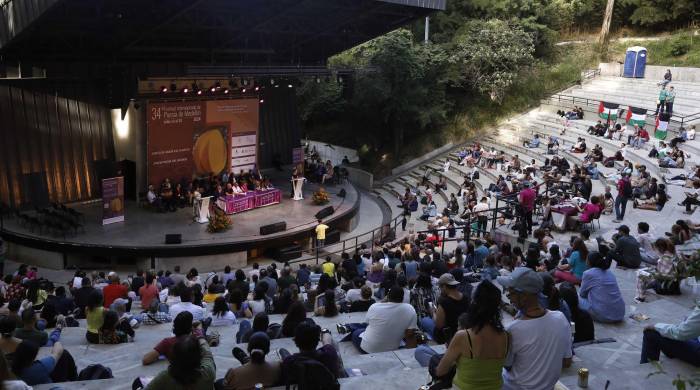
(408,96)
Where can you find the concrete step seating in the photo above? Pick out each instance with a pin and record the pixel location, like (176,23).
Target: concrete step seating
(680,107)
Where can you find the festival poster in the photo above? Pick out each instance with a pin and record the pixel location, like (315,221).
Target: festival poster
(242,118)
(112,200)
(174,131)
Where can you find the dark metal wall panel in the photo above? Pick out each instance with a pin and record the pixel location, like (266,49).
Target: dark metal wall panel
(279,125)
(18,15)
(55,127)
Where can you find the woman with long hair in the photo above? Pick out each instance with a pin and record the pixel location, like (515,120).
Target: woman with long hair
(191,367)
(295,315)
(7,379)
(326,305)
(573,270)
(94,313)
(239,306)
(259,303)
(422,295)
(221,314)
(663,274)
(583,323)
(281,304)
(479,348)
(35,295)
(109,334)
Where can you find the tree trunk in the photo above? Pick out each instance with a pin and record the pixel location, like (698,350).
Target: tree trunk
(604,38)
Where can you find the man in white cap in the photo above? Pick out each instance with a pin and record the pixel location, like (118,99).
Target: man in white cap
(540,339)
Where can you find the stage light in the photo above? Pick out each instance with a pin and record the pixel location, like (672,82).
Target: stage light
(290,86)
(243,90)
(226,91)
(199,92)
(257,89)
(185,90)
(262,101)
(212,89)
(163,89)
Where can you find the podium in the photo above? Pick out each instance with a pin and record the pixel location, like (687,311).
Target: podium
(200,209)
(298,184)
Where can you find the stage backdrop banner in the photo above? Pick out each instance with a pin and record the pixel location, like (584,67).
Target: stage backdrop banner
(198,138)
(112,200)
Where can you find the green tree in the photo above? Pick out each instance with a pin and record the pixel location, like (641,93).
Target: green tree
(488,56)
(657,13)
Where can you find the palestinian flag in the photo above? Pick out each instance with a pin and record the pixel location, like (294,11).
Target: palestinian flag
(662,125)
(608,111)
(636,116)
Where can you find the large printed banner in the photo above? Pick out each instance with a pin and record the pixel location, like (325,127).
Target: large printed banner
(198,138)
(112,200)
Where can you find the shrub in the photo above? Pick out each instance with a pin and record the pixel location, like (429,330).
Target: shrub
(680,45)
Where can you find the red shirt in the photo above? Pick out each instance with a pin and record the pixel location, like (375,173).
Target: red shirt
(147,294)
(165,347)
(644,134)
(112,292)
(527,199)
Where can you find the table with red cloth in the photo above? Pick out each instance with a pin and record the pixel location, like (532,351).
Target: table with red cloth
(560,212)
(232,204)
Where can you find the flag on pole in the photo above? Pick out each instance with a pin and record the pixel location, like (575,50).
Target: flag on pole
(662,125)
(608,111)
(636,116)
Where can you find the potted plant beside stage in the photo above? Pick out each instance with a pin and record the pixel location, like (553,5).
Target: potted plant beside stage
(321,197)
(219,222)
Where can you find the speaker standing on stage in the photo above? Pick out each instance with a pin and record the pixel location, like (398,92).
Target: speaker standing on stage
(320,233)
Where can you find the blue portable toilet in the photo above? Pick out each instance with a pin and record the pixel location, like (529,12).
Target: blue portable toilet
(635,62)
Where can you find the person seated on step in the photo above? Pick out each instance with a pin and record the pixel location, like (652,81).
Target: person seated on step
(386,326)
(675,158)
(30,330)
(626,251)
(182,326)
(664,276)
(579,146)
(192,366)
(674,340)
(552,145)
(533,143)
(692,198)
(254,368)
(656,202)
(429,211)
(323,366)
(640,139)
(668,77)
(328,172)
(596,154)
(461,155)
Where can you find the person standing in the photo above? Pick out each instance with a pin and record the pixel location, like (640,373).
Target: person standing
(321,234)
(670,97)
(661,103)
(527,204)
(540,338)
(481,218)
(624,194)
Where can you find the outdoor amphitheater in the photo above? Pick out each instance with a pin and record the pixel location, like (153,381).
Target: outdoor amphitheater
(162,162)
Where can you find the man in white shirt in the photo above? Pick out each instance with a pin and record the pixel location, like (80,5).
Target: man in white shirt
(540,339)
(355,293)
(482,219)
(387,323)
(591,243)
(187,305)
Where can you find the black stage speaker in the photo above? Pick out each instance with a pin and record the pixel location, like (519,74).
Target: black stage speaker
(325,212)
(332,237)
(342,193)
(173,239)
(273,228)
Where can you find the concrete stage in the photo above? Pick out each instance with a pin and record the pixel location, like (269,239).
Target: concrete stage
(141,238)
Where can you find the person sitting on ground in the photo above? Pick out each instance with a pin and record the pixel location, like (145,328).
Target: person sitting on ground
(450,305)
(155,315)
(29,332)
(664,274)
(579,146)
(295,315)
(626,251)
(325,375)
(478,349)
(668,77)
(572,271)
(254,369)
(674,340)
(182,326)
(387,323)
(8,343)
(325,304)
(109,334)
(540,339)
(261,323)
(94,313)
(192,366)
(583,323)
(36,372)
(365,301)
(656,203)
(600,294)
(533,143)
(185,304)
(7,378)
(221,314)
(114,290)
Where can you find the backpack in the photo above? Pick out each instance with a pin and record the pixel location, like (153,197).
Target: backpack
(95,371)
(310,374)
(627,189)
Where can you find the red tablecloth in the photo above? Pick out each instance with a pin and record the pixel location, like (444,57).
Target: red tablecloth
(251,200)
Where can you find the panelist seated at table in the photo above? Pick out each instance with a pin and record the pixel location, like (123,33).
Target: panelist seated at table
(166,195)
(229,189)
